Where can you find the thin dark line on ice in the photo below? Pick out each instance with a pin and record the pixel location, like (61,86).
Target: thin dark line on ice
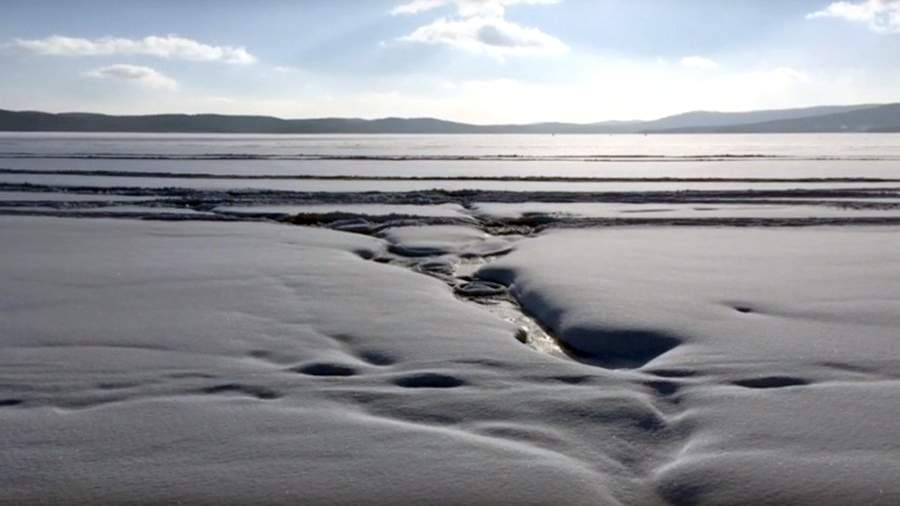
(367,177)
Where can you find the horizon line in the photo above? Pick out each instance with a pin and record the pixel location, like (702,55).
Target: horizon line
(435,118)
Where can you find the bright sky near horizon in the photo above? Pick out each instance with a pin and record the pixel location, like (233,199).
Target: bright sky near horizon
(482,61)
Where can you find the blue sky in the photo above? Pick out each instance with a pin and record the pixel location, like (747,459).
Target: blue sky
(483,61)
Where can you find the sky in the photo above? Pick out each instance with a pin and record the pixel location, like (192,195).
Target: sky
(479,61)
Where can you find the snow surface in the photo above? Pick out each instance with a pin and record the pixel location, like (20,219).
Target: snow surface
(64,197)
(257,363)
(156,362)
(362,185)
(777,349)
(474,352)
(135,211)
(662,210)
(762,169)
(815,145)
(438,211)
(419,241)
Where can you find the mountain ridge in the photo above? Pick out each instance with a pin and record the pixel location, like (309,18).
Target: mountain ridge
(846,118)
(883,118)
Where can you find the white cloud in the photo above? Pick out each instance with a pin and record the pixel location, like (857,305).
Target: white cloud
(479,26)
(493,36)
(169,46)
(417,6)
(698,62)
(882,16)
(145,76)
(466,8)
(787,75)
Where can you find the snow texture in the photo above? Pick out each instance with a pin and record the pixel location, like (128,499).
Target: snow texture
(161,362)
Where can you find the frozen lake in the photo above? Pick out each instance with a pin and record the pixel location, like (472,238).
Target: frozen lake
(588,320)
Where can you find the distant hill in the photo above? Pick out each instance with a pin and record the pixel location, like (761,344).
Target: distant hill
(855,118)
(710,119)
(883,118)
(33,121)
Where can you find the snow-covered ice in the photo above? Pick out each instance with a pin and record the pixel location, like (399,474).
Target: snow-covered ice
(199,330)
(153,362)
(435,211)
(717,210)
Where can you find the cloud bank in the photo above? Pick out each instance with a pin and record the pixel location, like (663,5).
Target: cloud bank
(698,62)
(417,6)
(881,16)
(467,8)
(169,46)
(479,26)
(145,76)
